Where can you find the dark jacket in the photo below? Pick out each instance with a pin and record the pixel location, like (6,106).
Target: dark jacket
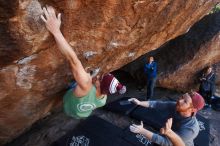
(150,70)
(208,82)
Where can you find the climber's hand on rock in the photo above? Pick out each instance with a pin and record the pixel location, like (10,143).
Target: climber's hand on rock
(52,21)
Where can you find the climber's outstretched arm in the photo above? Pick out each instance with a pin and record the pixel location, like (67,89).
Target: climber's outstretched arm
(53,23)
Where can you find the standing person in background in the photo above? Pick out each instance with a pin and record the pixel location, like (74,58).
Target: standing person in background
(150,69)
(88,93)
(207,85)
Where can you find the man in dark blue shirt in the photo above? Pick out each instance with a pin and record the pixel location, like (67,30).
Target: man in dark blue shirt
(150,69)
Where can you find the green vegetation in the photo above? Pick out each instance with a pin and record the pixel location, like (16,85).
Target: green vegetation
(216,8)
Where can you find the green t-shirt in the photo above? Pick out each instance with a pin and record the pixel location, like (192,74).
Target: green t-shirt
(82,107)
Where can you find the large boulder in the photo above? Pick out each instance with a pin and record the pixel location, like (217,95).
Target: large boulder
(182,60)
(105,34)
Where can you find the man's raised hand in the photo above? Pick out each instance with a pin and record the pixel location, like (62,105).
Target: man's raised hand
(137,128)
(167,128)
(135,101)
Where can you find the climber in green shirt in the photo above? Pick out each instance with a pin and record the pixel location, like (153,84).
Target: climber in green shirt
(88,94)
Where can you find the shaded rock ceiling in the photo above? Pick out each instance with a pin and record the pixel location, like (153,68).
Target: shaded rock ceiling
(182,60)
(105,34)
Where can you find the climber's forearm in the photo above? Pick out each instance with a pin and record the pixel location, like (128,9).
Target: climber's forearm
(66,49)
(53,24)
(81,76)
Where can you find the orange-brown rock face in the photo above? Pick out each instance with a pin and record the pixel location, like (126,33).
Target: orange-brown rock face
(105,34)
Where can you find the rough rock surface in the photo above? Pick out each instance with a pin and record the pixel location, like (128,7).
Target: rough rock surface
(182,60)
(105,34)
(196,50)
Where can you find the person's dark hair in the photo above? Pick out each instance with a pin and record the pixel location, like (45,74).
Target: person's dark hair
(209,66)
(150,58)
